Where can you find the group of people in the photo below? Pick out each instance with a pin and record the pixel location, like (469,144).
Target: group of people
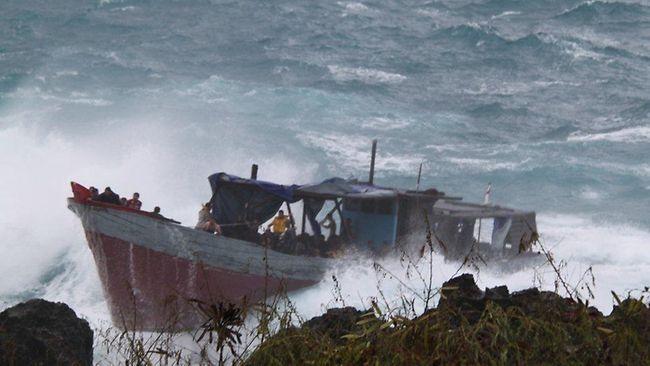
(280,233)
(108,196)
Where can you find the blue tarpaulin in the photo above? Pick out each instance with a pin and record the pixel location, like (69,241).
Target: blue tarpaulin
(237,200)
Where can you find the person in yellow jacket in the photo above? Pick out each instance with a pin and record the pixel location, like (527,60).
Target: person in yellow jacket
(280,223)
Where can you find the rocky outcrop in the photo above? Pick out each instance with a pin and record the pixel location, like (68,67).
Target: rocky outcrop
(39,332)
(471,326)
(335,323)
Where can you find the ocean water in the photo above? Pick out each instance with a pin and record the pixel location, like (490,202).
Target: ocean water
(547,100)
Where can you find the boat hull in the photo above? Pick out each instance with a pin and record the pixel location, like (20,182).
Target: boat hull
(154,273)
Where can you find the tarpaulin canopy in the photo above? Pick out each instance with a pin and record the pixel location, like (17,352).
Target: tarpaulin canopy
(237,200)
(339,187)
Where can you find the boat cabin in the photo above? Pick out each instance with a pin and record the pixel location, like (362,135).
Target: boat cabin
(365,216)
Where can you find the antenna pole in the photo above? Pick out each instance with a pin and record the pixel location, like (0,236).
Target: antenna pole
(417,186)
(371,177)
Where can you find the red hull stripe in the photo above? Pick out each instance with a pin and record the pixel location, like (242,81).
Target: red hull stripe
(150,290)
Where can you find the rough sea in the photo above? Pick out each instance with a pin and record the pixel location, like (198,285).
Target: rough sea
(548,100)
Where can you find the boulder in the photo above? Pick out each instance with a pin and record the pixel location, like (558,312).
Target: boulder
(335,323)
(40,332)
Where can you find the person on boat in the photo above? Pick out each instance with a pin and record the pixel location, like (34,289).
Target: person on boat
(134,202)
(329,223)
(280,223)
(206,221)
(94,193)
(108,196)
(123,201)
(156,213)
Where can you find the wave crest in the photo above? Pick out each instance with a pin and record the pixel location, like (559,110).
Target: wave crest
(606,12)
(364,75)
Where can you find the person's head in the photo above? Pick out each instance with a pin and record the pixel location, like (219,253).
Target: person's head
(107,190)
(123,201)
(136,195)
(280,213)
(156,209)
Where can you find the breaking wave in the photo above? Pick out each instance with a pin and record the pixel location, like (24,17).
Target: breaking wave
(546,99)
(364,75)
(606,12)
(628,135)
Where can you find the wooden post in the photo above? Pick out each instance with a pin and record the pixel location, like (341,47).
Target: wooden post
(417,185)
(293,222)
(304,217)
(371,177)
(254,172)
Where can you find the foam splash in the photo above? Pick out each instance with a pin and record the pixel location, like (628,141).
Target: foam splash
(351,155)
(364,75)
(630,135)
(616,254)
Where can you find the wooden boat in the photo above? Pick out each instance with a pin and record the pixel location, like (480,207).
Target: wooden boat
(153,270)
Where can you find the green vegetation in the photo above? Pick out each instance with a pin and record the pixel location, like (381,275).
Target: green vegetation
(467,327)
(470,328)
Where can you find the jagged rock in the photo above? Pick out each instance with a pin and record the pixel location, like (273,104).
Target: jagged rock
(497,293)
(462,294)
(532,327)
(39,332)
(335,323)
(461,287)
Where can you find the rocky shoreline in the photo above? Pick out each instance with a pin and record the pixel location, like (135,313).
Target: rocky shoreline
(471,327)
(40,332)
(468,326)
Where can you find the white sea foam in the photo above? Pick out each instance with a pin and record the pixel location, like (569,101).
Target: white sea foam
(368,76)
(384,123)
(350,153)
(353,7)
(506,14)
(485,164)
(44,250)
(66,73)
(589,193)
(629,135)
(615,252)
(124,8)
(72,98)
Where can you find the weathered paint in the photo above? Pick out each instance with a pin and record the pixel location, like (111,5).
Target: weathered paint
(150,268)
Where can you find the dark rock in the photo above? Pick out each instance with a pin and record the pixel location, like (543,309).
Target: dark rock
(335,323)
(461,294)
(460,287)
(39,332)
(497,293)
